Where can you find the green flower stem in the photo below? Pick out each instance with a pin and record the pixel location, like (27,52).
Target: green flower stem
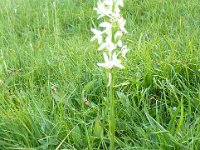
(111,114)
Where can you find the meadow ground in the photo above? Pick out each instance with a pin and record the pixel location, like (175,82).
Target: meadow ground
(48,70)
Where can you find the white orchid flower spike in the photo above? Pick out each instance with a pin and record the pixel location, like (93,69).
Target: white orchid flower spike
(110,33)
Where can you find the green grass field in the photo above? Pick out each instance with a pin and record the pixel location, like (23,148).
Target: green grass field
(48,70)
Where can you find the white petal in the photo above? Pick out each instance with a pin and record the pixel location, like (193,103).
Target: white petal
(102,65)
(124,50)
(97,35)
(119,66)
(105,24)
(93,38)
(119,43)
(122,23)
(100,39)
(95,31)
(120,3)
(105,57)
(108,2)
(114,57)
(107,65)
(102,46)
(108,27)
(118,35)
(110,46)
(117,10)
(117,62)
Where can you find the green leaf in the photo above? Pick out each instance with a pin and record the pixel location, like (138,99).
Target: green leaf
(76,136)
(89,85)
(56,97)
(98,129)
(171,127)
(124,99)
(180,122)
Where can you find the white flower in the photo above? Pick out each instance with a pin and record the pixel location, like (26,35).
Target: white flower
(120,3)
(119,43)
(108,3)
(124,50)
(117,10)
(122,23)
(109,36)
(102,10)
(118,35)
(97,35)
(109,64)
(108,27)
(117,38)
(109,45)
(116,61)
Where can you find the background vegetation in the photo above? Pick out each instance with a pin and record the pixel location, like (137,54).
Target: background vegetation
(52,94)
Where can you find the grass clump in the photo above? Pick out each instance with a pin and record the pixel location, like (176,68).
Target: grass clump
(52,91)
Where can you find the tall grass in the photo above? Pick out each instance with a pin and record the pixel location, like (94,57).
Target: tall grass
(52,93)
